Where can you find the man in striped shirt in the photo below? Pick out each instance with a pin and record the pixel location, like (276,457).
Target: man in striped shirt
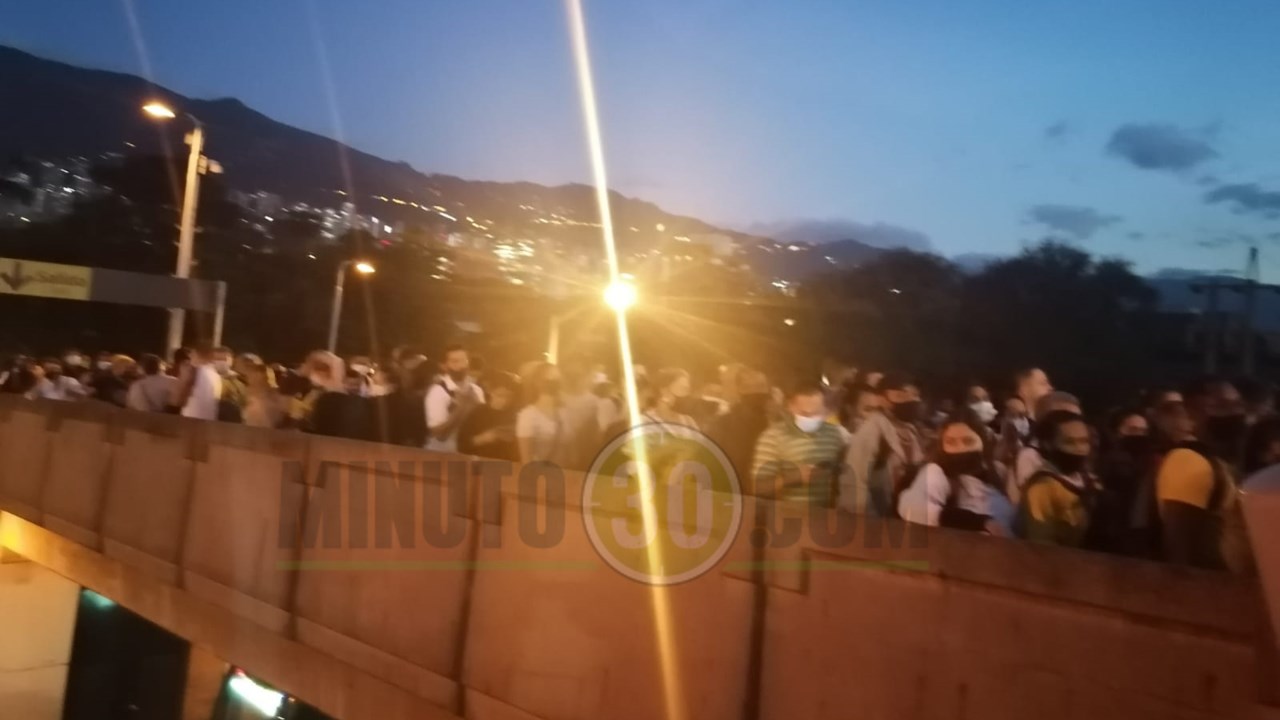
(800,454)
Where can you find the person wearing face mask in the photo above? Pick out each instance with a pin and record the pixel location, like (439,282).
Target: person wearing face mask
(736,431)
(113,385)
(1126,468)
(1029,458)
(451,397)
(1195,486)
(979,403)
(960,488)
(1059,499)
(541,424)
(799,455)
(886,451)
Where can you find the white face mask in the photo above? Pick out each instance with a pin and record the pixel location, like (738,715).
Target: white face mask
(809,424)
(599,378)
(378,390)
(72,360)
(104,364)
(361,369)
(985,411)
(1022,425)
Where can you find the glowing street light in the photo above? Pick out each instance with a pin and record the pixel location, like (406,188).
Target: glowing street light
(187,230)
(159,110)
(363,267)
(621,295)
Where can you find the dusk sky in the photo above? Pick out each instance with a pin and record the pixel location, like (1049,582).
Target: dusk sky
(1145,129)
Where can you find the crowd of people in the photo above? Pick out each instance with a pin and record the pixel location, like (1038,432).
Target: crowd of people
(1156,479)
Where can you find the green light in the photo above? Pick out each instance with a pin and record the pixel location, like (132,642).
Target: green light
(100,602)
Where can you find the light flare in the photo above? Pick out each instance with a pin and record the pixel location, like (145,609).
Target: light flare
(673,696)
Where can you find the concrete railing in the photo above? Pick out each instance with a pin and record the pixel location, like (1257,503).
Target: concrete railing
(218,532)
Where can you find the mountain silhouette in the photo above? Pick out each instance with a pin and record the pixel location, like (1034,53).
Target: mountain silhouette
(68,111)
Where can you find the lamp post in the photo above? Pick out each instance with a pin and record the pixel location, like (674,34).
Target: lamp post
(190,197)
(362,267)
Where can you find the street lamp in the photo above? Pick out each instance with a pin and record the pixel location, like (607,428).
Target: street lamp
(620,295)
(361,266)
(187,230)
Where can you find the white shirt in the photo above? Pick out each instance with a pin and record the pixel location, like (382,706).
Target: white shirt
(64,388)
(206,390)
(546,433)
(922,503)
(436,406)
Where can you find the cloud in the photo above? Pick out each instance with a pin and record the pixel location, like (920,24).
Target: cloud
(1077,221)
(881,235)
(1246,198)
(1160,147)
(1057,132)
(1137,235)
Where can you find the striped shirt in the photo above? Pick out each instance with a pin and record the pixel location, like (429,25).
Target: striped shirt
(784,452)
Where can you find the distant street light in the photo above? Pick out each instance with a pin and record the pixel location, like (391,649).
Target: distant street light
(361,266)
(187,230)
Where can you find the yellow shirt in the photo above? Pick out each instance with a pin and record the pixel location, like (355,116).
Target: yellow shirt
(1187,477)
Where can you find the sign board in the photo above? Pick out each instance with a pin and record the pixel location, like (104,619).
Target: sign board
(77,282)
(38,279)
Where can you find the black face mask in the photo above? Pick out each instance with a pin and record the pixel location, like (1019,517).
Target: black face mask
(908,411)
(1066,462)
(458,375)
(1137,446)
(966,463)
(1225,433)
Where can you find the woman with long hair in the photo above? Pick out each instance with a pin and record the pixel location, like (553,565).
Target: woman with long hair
(668,389)
(959,488)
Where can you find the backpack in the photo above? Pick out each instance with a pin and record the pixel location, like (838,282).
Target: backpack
(1147,504)
(1088,496)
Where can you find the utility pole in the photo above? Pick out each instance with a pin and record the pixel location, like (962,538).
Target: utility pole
(1248,288)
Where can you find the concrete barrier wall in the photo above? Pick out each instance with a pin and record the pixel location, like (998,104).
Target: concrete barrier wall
(410,569)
